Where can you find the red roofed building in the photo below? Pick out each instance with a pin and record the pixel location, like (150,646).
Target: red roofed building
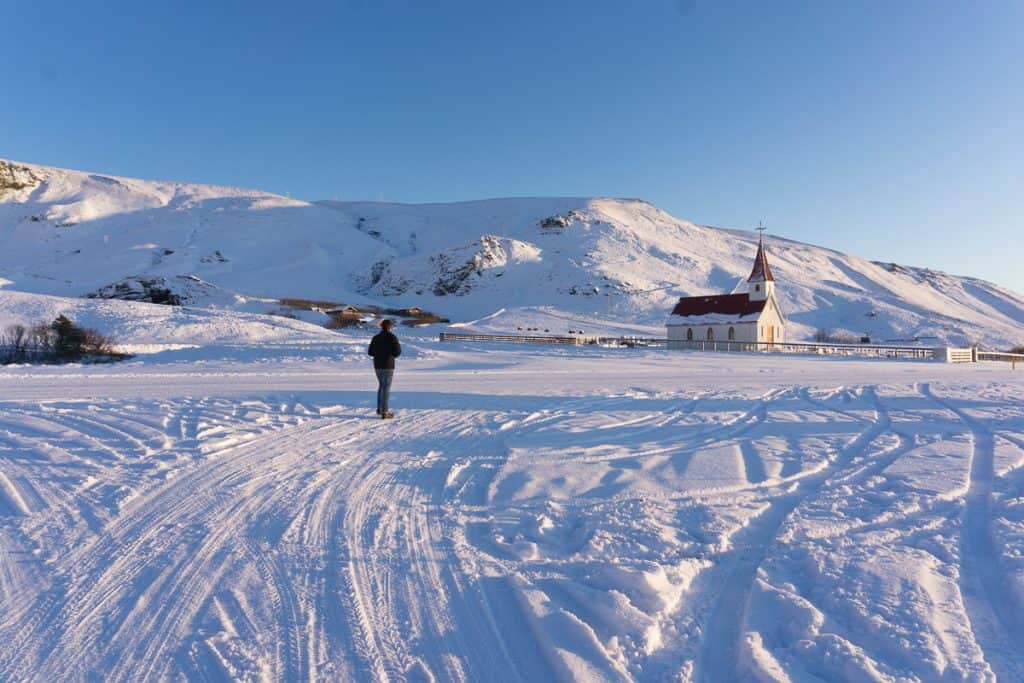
(751,317)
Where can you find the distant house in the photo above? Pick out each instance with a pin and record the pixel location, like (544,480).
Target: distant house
(345,311)
(751,317)
(412,311)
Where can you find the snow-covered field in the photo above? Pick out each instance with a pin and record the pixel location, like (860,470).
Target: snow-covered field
(235,512)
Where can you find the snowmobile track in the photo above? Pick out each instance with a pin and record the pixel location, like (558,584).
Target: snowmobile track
(993,607)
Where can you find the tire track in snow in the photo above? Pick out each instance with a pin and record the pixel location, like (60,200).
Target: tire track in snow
(703,435)
(335,644)
(992,605)
(288,611)
(392,576)
(504,649)
(718,658)
(146,533)
(96,445)
(127,602)
(422,608)
(379,639)
(270,495)
(753,465)
(536,421)
(11,500)
(20,577)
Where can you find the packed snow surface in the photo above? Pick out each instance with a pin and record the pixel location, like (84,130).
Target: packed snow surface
(71,233)
(231,509)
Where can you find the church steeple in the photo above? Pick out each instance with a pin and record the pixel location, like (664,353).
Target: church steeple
(761,281)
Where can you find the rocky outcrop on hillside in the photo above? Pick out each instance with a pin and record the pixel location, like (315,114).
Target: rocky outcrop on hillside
(174,291)
(557,223)
(16,177)
(456,268)
(452,272)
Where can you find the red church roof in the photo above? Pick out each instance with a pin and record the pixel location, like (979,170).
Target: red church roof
(761,271)
(738,305)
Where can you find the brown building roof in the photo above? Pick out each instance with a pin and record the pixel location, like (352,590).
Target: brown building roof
(723,304)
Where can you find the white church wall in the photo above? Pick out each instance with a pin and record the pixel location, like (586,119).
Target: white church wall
(771,317)
(742,332)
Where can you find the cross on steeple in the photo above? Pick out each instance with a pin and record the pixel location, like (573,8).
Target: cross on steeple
(760,229)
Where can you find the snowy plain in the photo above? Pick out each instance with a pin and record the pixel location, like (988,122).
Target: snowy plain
(225,506)
(234,511)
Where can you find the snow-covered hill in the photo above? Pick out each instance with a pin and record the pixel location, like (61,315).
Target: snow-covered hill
(71,234)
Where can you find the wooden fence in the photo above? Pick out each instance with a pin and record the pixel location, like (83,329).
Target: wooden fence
(515,338)
(816,348)
(944,354)
(1011,358)
(632,342)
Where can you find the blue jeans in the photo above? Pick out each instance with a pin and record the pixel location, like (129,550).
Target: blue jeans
(383,388)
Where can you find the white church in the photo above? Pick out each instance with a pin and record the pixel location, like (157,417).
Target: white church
(751,317)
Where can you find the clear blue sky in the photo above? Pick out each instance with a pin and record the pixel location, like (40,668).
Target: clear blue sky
(891,130)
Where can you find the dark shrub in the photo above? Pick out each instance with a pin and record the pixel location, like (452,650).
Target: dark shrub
(61,341)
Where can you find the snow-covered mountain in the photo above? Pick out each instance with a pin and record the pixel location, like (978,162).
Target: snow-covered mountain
(70,233)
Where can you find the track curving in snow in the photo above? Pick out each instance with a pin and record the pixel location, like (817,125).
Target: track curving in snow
(719,657)
(995,610)
(616,536)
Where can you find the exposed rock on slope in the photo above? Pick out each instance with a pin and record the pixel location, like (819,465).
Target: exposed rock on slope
(16,177)
(457,271)
(170,291)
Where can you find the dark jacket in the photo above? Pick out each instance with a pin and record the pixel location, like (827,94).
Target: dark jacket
(384,348)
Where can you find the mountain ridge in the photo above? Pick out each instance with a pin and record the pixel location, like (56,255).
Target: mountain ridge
(73,233)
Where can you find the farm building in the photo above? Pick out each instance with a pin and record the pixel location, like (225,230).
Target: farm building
(348,311)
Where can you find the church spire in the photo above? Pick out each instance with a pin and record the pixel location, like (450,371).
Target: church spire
(761,282)
(761,272)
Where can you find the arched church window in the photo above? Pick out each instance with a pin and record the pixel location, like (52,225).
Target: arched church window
(711,334)
(757,288)
(732,333)
(689,334)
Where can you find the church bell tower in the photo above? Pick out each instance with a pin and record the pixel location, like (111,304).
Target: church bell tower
(761,283)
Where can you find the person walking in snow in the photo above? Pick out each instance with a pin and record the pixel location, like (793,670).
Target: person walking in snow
(384,348)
